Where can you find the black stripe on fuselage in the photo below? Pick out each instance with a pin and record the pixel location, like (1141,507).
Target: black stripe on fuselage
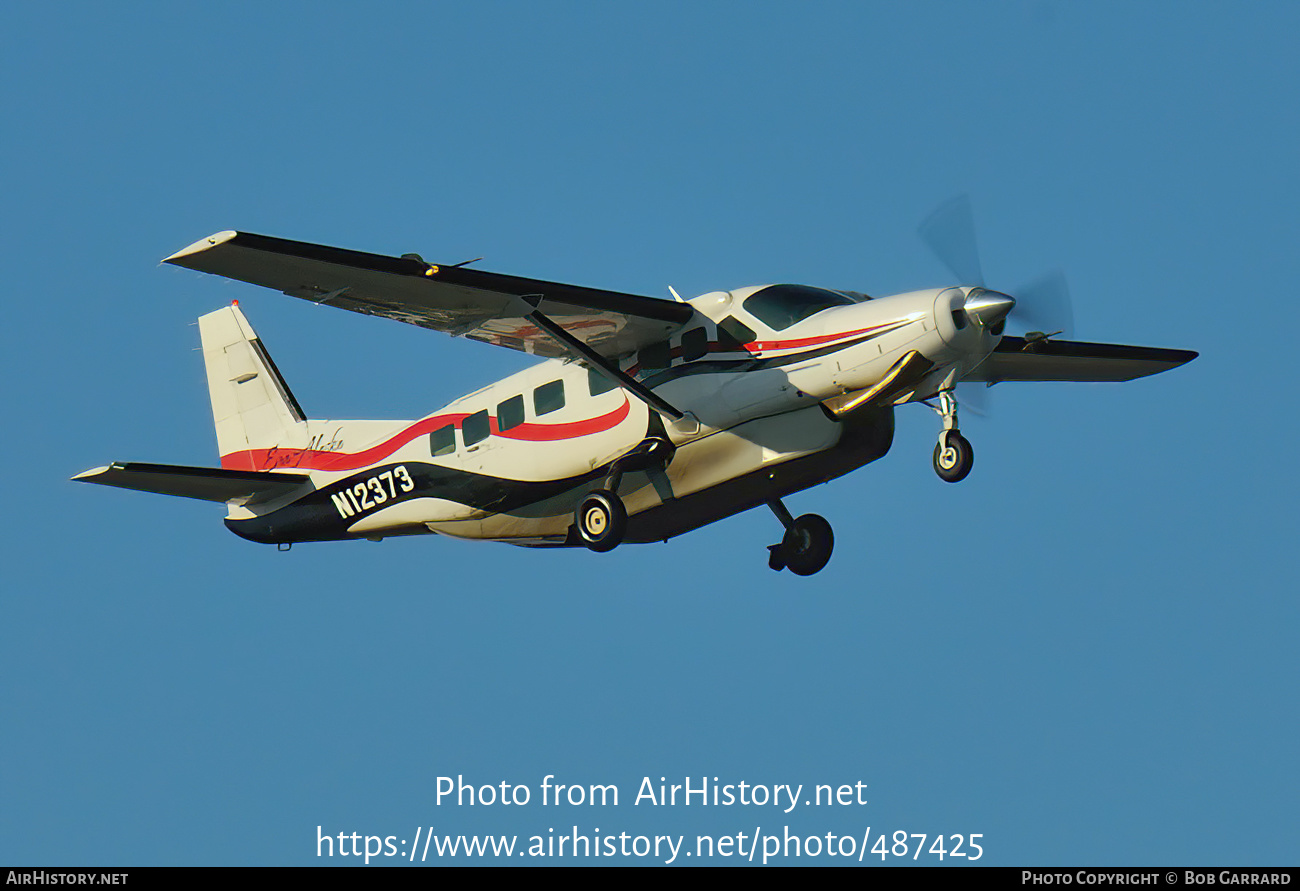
(317,516)
(731,366)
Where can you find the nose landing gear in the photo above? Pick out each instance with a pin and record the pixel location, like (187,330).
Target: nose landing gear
(953,455)
(806,546)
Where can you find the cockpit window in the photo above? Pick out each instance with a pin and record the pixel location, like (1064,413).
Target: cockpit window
(781,306)
(733,334)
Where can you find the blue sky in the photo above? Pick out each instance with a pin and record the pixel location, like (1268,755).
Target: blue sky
(1085,652)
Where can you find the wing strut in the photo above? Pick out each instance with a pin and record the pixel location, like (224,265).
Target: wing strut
(604,366)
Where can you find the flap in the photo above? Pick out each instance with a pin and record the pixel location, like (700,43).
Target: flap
(456,300)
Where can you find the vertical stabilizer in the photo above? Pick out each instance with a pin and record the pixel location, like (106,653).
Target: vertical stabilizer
(252,407)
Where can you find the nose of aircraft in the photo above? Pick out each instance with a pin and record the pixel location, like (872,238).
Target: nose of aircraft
(987,308)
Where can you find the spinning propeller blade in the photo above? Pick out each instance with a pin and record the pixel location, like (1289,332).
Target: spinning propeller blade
(950,233)
(974,397)
(1044,304)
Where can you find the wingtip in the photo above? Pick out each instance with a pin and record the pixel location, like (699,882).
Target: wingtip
(88,476)
(201,245)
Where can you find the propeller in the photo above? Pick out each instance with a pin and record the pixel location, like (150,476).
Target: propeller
(1043,305)
(950,233)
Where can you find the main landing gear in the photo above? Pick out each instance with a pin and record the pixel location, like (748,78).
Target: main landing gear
(601,518)
(806,546)
(953,455)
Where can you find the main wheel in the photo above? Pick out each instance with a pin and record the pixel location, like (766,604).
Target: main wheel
(601,519)
(807,544)
(954,462)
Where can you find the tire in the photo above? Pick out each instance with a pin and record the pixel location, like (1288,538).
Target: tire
(954,463)
(807,545)
(601,520)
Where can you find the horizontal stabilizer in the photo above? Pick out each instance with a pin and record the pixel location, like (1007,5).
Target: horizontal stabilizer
(1018,359)
(206,483)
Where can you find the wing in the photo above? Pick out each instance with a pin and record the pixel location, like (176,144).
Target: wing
(480,305)
(206,483)
(1016,359)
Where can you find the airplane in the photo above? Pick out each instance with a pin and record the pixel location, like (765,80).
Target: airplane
(647,419)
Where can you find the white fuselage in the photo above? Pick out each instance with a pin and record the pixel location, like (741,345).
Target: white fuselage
(511,460)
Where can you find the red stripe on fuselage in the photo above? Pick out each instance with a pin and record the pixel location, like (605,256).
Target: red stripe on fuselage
(312,459)
(553,432)
(758,347)
(763,345)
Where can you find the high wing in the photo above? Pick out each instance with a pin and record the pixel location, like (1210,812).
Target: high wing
(1017,359)
(465,302)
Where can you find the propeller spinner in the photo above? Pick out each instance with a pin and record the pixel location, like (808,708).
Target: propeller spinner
(1044,304)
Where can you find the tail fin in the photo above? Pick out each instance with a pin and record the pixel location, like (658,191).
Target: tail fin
(252,406)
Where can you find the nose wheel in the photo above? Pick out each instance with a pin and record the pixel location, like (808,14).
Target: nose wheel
(953,455)
(806,546)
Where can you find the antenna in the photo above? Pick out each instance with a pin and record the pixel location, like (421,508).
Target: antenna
(676,296)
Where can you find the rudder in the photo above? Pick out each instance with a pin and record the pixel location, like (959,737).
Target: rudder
(252,407)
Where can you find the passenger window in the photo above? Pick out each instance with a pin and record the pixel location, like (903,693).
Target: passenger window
(475,428)
(597,383)
(548,398)
(695,343)
(443,441)
(510,413)
(733,334)
(657,356)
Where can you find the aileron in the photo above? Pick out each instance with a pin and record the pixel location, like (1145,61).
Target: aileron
(1018,359)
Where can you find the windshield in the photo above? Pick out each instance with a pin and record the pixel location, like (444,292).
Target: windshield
(781,306)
